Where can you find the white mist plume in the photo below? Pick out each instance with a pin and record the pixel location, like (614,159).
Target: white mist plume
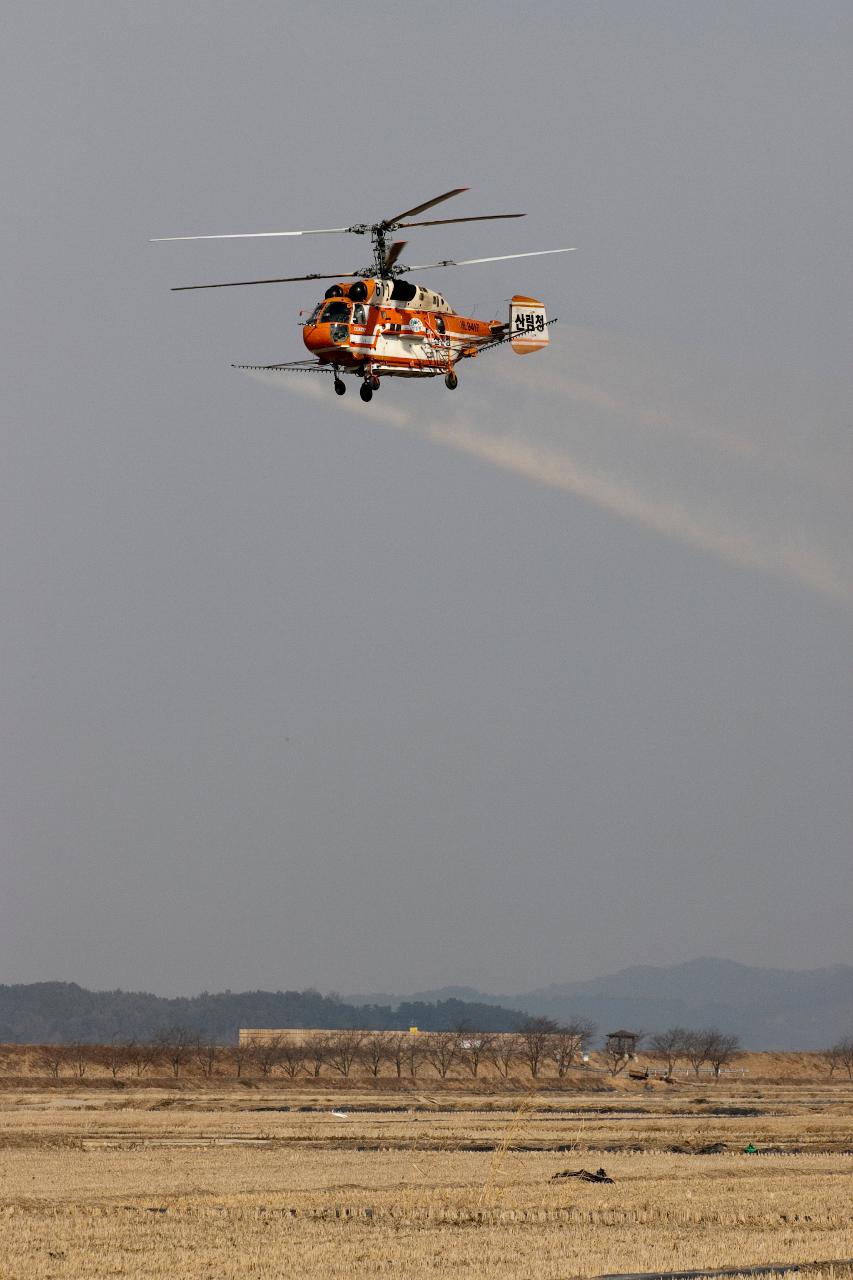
(557,470)
(708,486)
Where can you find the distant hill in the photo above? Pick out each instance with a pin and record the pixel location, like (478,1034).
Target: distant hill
(767,1008)
(60,1012)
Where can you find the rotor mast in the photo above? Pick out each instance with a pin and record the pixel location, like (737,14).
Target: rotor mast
(380,254)
(380,265)
(384,257)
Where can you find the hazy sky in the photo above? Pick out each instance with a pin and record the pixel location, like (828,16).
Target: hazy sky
(515,685)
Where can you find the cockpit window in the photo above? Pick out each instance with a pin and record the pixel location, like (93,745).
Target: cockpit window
(358,316)
(336,311)
(315,314)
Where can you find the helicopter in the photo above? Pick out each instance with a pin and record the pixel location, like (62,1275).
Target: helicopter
(372,323)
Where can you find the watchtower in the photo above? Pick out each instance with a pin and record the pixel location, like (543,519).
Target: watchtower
(622,1044)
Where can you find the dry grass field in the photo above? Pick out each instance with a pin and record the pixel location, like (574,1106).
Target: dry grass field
(229,1180)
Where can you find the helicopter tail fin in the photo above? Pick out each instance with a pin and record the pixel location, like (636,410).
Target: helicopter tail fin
(528,325)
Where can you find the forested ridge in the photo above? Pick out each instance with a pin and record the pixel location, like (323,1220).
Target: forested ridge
(63,1012)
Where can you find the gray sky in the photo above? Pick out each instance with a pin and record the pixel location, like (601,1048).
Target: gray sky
(512,686)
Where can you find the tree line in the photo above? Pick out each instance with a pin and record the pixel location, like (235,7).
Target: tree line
(540,1048)
(716,1049)
(706,1047)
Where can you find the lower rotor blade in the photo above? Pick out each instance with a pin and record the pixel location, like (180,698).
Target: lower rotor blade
(234,284)
(501,257)
(254,235)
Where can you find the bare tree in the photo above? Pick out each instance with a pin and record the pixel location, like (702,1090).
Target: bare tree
(141,1054)
(375,1051)
(841,1055)
(568,1041)
(475,1047)
(115,1056)
(206,1053)
(343,1050)
(534,1037)
(292,1056)
(670,1046)
(266,1054)
(239,1055)
(441,1049)
(414,1053)
(504,1052)
(697,1048)
(80,1055)
(51,1058)
(722,1049)
(397,1048)
(845,1054)
(176,1046)
(317,1052)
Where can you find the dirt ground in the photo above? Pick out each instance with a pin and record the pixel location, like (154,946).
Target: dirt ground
(230,1180)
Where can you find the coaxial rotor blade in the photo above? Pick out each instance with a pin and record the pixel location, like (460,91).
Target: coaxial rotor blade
(501,257)
(419,208)
(233,284)
(483,217)
(351,275)
(393,253)
(255,235)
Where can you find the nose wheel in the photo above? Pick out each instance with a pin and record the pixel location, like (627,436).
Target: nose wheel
(340,387)
(451,381)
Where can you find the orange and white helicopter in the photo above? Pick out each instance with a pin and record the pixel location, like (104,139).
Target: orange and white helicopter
(381,325)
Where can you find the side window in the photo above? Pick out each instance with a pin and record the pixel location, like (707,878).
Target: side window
(358,314)
(439,323)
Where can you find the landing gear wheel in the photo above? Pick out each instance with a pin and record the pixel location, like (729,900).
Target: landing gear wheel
(366,392)
(340,387)
(451,381)
(374,382)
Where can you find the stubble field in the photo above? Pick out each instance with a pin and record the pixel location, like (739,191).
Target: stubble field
(210,1184)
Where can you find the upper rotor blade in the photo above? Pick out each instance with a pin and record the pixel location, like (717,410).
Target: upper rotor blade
(501,257)
(408,213)
(483,217)
(233,284)
(254,235)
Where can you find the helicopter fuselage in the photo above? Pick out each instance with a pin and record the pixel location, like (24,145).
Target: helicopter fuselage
(393,327)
